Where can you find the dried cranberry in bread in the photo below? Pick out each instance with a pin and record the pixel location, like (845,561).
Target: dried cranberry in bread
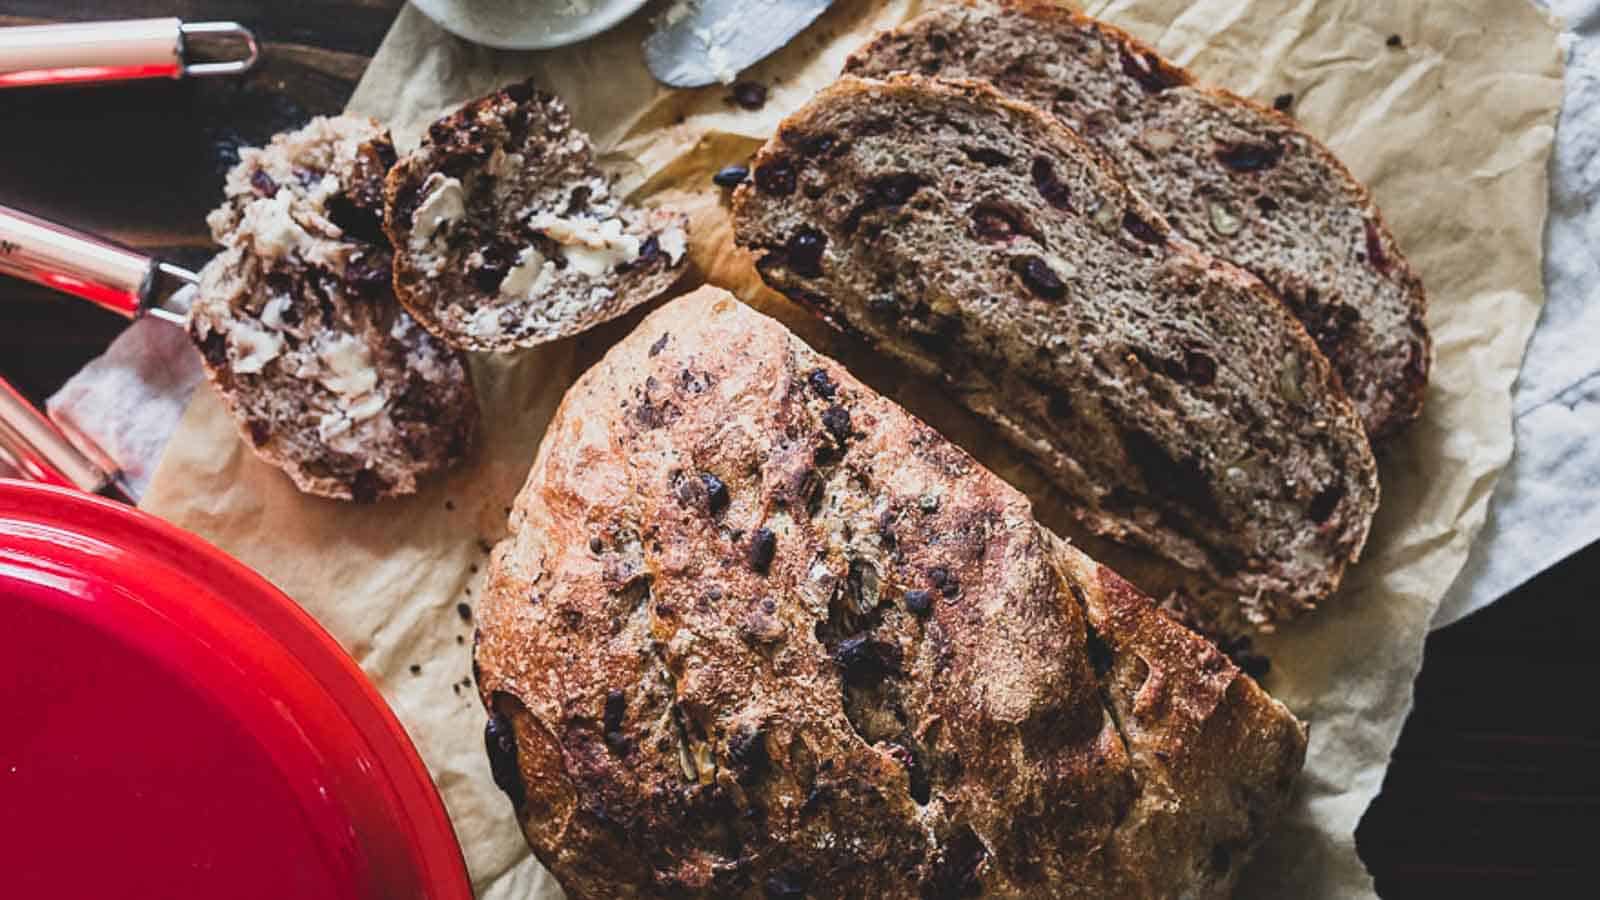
(326,375)
(507,235)
(758,632)
(1240,180)
(1167,393)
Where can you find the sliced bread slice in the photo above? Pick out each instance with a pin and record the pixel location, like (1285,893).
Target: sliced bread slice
(507,235)
(1241,181)
(1169,394)
(326,375)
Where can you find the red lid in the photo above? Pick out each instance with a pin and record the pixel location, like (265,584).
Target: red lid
(173,726)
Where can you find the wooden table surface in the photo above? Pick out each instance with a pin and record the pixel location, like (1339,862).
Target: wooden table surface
(1495,786)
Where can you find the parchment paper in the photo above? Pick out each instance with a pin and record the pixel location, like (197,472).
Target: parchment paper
(1547,506)
(1451,130)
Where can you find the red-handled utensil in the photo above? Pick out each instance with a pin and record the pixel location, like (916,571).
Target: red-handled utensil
(33,447)
(110,276)
(83,52)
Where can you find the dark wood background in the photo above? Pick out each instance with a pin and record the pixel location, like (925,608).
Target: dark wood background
(1495,787)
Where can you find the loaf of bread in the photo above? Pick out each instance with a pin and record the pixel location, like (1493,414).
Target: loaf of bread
(507,235)
(1168,394)
(326,375)
(1239,180)
(758,632)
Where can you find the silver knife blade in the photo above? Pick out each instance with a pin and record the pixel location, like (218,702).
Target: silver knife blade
(701,42)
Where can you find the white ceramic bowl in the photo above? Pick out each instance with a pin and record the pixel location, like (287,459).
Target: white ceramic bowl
(526,24)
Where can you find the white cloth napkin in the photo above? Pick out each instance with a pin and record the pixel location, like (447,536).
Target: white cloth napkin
(1546,507)
(129,399)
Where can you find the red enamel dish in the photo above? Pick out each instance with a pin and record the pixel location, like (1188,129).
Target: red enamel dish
(173,726)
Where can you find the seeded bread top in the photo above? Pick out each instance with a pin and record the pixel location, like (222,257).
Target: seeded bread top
(1241,181)
(508,235)
(326,375)
(1168,394)
(756,631)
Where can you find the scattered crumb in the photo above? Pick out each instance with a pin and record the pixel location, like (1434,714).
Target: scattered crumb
(464,611)
(456,688)
(484,546)
(460,639)
(473,568)
(750,95)
(730,176)
(416,669)
(449,504)
(1282,102)
(1395,41)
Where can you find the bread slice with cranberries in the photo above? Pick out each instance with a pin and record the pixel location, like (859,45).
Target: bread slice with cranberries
(1241,181)
(1169,394)
(326,375)
(507,235)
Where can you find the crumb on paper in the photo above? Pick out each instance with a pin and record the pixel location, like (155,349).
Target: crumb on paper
(751,95)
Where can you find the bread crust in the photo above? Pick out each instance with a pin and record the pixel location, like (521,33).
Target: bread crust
(1331,258)
(757,631)
(1139,384)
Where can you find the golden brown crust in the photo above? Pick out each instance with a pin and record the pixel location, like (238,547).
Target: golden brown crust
(1196,728)
(757,631)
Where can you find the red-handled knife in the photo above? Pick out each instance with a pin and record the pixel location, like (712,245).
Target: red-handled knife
(83,52)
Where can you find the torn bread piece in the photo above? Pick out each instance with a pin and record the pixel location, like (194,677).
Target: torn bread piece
(326,375)
(507,235)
